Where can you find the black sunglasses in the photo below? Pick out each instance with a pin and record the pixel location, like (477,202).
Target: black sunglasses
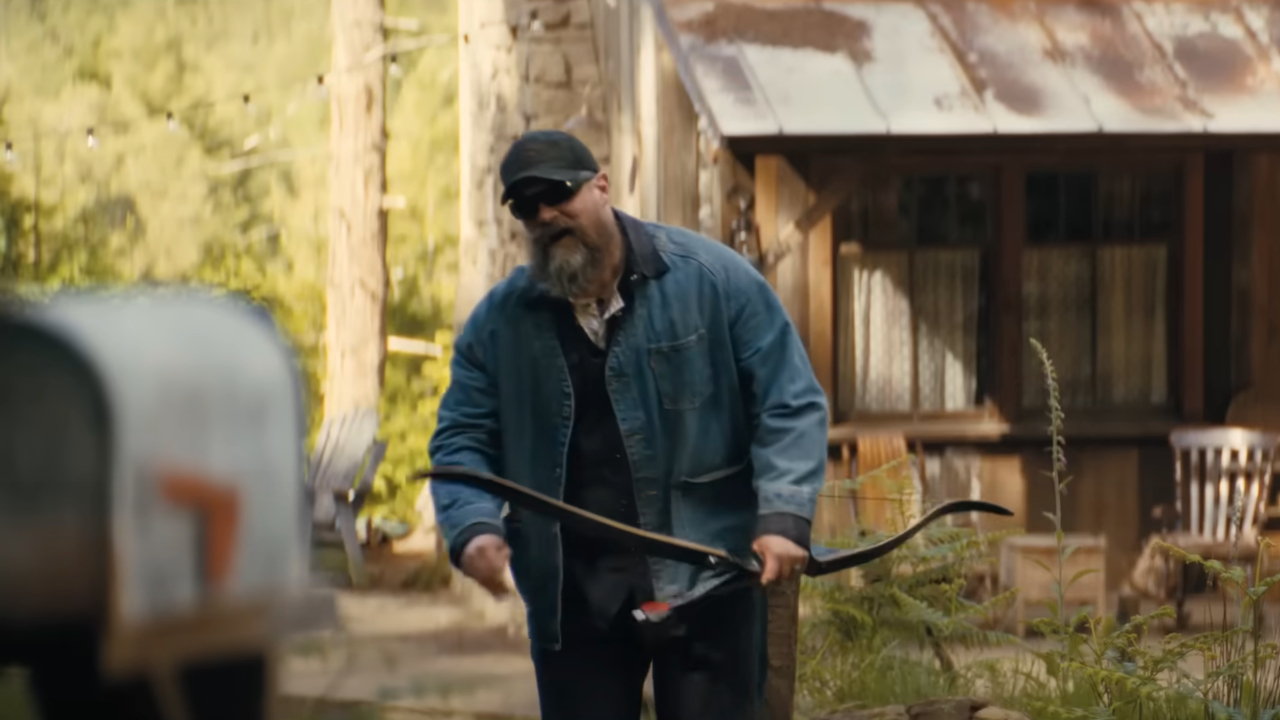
(526,205)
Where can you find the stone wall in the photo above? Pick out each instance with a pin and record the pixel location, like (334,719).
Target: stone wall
(523,65)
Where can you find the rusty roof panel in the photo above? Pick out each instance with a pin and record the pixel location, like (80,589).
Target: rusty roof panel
(738,104)
(1122,75)
(1221,63)
(911,79)
(928,67)
(800,84)
(1008,60)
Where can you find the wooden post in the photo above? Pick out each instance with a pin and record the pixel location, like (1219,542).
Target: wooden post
(821,289)
(783,636)
(781,196)
(1193,291)
(355,343)
(1007,318)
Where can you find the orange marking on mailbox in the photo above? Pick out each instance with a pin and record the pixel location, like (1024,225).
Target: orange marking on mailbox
(220,508)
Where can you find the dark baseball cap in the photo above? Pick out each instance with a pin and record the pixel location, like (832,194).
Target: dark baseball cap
(546,155)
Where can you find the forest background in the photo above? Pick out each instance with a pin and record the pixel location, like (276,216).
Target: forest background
(162,141)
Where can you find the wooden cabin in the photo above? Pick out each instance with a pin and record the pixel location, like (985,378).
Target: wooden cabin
(934,183)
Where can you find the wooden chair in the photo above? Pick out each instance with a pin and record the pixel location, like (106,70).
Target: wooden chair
(883,499)
(342,467)
(1259,409)
(1218,472)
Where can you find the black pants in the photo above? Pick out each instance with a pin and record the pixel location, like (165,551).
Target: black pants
(708,662)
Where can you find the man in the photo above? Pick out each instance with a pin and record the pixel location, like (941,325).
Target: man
(650,375)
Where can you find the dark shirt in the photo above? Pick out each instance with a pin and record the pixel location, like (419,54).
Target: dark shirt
(600,576)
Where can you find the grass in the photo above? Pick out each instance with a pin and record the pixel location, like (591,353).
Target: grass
(14,703)
(891,640)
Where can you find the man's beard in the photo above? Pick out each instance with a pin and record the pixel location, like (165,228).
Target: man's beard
(568,267)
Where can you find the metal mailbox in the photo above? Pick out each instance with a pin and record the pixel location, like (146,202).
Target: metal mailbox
(151,464)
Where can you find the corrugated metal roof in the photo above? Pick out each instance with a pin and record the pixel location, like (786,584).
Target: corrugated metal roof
(963,67)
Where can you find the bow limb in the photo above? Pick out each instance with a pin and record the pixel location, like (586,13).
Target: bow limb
(822,561)
(835,561)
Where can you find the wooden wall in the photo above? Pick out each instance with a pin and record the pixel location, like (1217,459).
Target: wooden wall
(1111,490)
(1231,264)
(662,167)
(1258,272)
(678,192)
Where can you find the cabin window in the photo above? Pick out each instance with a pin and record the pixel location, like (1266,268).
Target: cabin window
(1095,259)
(911,295)
(1095,285)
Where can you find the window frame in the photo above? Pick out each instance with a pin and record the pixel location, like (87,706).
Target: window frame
(1001,413)
(1097,239)
(883,221)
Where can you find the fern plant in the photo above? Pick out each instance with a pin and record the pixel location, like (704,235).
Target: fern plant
(1241,659)
(878,643)
(890,636)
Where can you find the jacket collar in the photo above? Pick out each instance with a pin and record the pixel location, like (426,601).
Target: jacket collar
(642,260)
(643,257)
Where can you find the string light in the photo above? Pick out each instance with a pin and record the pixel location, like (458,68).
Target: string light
(317,82)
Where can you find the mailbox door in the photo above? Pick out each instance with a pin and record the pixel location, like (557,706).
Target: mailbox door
(54,462)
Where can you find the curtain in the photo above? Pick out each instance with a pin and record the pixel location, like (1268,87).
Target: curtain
(1102,313)
(1133,325)
(945,289)
(881,325)
(903,314)
(1057,310)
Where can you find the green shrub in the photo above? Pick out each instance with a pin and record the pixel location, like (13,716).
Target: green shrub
(891,637)
(866,646)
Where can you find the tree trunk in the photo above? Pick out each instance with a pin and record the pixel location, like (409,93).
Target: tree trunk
(490,86)
(355,326)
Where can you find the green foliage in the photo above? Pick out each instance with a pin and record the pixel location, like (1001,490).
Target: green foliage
(232,196)
(862,647)
(15,703)
(889,638)
(1110,671)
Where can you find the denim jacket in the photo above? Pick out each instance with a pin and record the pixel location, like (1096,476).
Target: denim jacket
(722,417)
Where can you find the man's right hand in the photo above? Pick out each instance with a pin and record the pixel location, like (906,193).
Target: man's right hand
(485,560)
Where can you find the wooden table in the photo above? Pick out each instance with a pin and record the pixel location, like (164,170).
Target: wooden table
(1019,558)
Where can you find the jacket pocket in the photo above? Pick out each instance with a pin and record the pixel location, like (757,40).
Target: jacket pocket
(682,371)
(718,474)
(717,508)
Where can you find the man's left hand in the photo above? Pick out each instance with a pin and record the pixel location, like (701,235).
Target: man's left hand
(783,559)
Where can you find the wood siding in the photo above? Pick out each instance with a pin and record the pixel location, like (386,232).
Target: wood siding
(1226,322)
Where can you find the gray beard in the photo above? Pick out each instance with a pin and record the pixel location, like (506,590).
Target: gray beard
(567,271)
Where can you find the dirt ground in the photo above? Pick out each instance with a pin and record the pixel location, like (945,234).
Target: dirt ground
(425,652)
(444,654)
(438,654)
